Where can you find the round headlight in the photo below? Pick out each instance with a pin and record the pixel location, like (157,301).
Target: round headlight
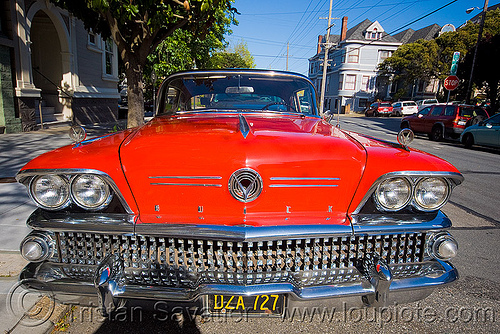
(393,194)
(90,192)
(431,193)
(50,191)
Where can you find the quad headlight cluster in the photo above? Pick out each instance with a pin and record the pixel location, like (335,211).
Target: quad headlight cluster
(55,192)
(424,193)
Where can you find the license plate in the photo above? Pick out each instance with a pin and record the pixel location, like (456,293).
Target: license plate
(461,122)
(258,304)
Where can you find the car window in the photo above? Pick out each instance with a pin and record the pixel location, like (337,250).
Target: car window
(237,92)
(425,111)
(466,112)
(495,120)
(385,104)
(480,112)
(409,104)
(430,101)
(437,110)
(396,105)
(449,111)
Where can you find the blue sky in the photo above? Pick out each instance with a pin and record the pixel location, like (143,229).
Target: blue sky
(267,25)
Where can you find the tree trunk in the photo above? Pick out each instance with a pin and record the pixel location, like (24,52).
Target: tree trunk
(135,93)
(493,95)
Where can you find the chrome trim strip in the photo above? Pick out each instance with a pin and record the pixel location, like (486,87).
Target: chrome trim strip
(380,224)
(457,178)
(278,178)
(301,185)
(122,223)
(188,177)
(39,276)
(91,223)
(25,175)
(242,233)
(186,184)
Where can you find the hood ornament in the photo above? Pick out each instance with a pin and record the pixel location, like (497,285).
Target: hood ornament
(77,134)
(245,185)
(243,126)
(405,137)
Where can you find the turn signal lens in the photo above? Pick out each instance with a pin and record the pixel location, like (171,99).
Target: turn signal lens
(50,192)
(431,193)
(393,194)
(37,247)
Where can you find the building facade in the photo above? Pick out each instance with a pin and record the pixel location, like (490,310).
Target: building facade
(352,75)
(351,80)
(53,68)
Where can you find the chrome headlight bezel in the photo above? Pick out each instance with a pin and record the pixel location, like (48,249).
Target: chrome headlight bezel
(406,200)
(452,179)
(26,177)
(418,203)
(101,204)
(66,200)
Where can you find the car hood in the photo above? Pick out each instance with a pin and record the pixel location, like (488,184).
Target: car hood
(179,169)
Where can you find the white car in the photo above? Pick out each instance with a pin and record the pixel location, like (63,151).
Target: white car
(401,108)
(425,103)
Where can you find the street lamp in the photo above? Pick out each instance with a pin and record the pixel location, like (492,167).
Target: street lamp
(470,10)
(479,35)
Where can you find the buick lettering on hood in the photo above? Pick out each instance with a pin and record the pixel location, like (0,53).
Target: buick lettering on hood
(239,196)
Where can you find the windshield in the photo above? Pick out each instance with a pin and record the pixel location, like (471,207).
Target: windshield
(237,92)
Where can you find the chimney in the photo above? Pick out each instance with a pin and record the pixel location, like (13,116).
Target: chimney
(343,33)
(320,40)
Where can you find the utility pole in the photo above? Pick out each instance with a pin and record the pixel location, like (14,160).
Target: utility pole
(287,49)
(325,61)
(479,35)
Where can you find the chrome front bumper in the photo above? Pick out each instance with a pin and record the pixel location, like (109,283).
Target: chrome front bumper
(50,277)
(358,286)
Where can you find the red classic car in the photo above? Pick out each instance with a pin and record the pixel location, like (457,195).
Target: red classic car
(238,197)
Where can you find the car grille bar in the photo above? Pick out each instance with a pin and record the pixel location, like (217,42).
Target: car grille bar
(189,262)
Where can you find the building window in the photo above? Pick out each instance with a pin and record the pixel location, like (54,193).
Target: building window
(92,38)
(363,103)
(341,78)
(350,82)
(342,57)
(384,54)
(108,56)
(353,55)
(365,83)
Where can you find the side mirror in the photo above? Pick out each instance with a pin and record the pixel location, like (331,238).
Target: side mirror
(328,115)
(489,126)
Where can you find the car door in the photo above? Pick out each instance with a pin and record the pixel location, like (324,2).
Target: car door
(435,116)
(488,133)
(417,122)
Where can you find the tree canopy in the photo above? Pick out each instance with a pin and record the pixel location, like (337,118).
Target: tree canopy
(138,27)
(238,57)
(427,60)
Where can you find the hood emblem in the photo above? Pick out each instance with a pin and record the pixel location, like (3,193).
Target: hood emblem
(245,185)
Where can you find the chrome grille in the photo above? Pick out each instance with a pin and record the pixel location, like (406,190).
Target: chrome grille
(189,262)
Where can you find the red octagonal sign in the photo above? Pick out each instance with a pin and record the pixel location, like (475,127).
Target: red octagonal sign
(451,82)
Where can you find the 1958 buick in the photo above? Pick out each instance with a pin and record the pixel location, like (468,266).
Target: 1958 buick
(239,196)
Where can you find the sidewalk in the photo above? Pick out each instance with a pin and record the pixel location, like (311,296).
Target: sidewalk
(16,206)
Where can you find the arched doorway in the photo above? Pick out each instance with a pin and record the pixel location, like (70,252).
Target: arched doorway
(46,62)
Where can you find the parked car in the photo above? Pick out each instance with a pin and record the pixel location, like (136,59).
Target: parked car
(485,133)
(439,121)
(401,108)
(425,103)
(238,197)
(379,109)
